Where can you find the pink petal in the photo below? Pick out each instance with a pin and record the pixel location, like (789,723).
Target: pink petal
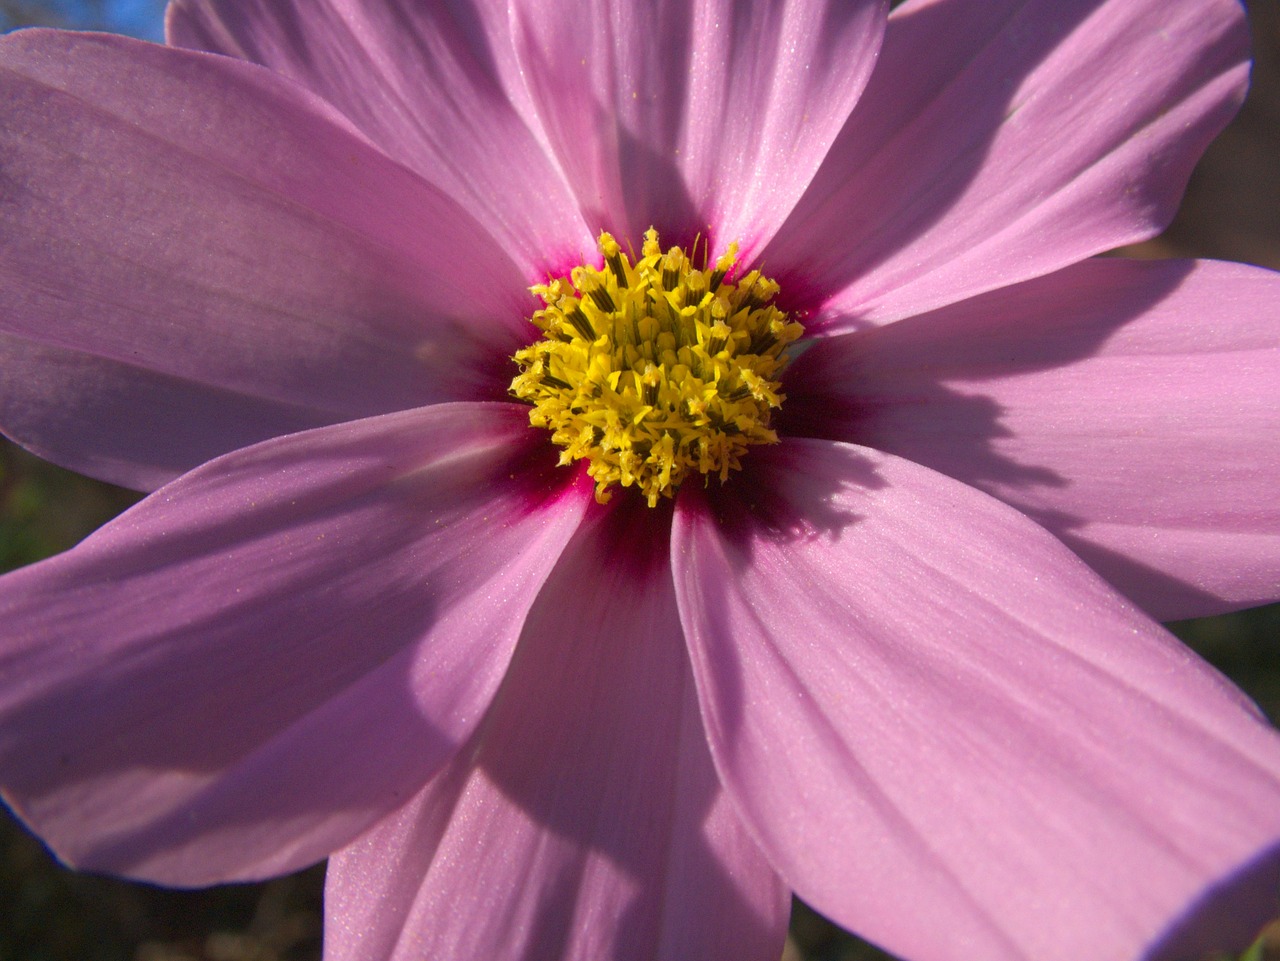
(1001,759)
(217,262)
(435,85)
(1131,408)
(1001,140)
(589,823)
(707,117)
(267,656)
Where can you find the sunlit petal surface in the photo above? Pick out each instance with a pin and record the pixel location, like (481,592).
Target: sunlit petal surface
(1031,133)
(587,821)
(436,85)
(979,723)
(701,117)
(1125,405)
(360,586)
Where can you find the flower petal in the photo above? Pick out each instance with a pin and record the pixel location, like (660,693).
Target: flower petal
(262,659)
(217,262)
(1033,134)
(432,84)
(590,823)
(694,117)
(981,726)
(1129,407)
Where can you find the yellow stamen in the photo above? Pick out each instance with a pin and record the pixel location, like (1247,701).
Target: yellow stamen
(655,370)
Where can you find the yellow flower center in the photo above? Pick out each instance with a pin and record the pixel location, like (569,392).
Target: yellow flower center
(654,370)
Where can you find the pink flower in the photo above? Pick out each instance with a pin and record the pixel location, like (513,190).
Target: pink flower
(366,615)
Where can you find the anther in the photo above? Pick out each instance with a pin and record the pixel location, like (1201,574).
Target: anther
(581,323)
(650,382)
(647,400)
(671,265)
(719,337)
(723,266)
(613,257)
(602,299)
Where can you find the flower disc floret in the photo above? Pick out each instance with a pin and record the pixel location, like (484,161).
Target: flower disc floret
(654,370)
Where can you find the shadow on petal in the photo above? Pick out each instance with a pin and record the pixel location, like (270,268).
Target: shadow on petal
(779,497)
(1227,916)
(263,658)
(592,818)
(914,387)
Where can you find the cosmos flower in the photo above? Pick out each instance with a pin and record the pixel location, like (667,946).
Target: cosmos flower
(813,541)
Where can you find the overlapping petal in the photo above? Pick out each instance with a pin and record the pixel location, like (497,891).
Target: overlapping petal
(1130,407)
(1001,758)
(1002,140)
(696,116)
(219,261)
(587,821)
(261,660)
(436,85)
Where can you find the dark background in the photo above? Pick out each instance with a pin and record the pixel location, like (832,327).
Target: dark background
(1232,211)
